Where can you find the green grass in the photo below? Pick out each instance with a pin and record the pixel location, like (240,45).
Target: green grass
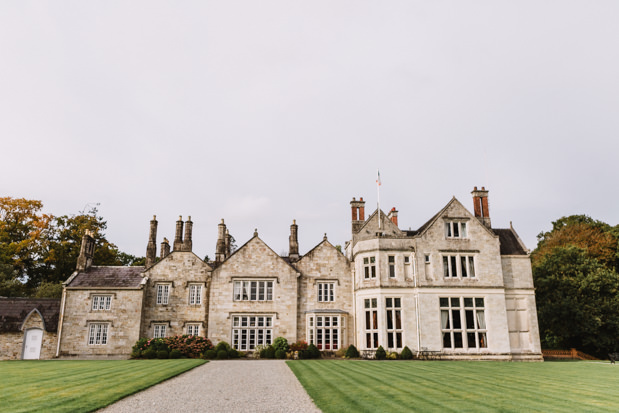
(79,386)
(459,386)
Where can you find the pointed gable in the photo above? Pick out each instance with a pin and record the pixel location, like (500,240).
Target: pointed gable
(323,260)
(369,229)
(453,210)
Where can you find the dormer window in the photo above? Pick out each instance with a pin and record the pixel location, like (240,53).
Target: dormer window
(455,229)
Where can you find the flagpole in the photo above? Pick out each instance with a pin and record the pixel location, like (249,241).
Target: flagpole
(378,196)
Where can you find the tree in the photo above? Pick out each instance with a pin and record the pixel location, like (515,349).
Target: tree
(577,285)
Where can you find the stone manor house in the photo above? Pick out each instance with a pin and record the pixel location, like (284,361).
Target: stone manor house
(456,288)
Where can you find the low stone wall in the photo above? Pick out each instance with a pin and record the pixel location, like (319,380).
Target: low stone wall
(11,345)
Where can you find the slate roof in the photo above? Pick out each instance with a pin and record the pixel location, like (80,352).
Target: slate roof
(510,245)
(108,277)
(13,312)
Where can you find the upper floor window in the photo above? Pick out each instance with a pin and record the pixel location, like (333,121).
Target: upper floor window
(101,302)
(455,229)
(195,294)
(391,259)
(459,266)
(326,292)
(369,267)
(163,293)
(253,291)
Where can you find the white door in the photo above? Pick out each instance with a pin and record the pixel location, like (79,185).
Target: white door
(32,348)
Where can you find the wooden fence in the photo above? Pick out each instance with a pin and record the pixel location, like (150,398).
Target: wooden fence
(571,354)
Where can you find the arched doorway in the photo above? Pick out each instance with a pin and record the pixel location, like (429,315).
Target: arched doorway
(33,338)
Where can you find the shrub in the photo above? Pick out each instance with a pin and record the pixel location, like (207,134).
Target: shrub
(406,354)
(280,343)
(392,355)
(303,354)
(210,354)
(268,353)
(233,354)
(136,354)
(222,345)
(381,354)
(341,353)
(352,352)
(298,346)
(162,354)
(175,354)
(189,346)
(313,352)
(280,354)
(222,355)
(149,354)
(258,351)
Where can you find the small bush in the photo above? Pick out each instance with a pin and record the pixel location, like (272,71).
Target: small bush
(298,346)
(222,345)
(175,354)
(280,354)
(392,355)
(352,352)
(210,354)
(341,353)
(149,354)
(136,354)
(313,352)
(222,355)
(269,353)
(162,354)
(233,354)
(406,354)
(280,343)
(303,354)
(381,354)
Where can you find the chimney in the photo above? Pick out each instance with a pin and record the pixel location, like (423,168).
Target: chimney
(220,249)
(358,214)
(480,206)
(228,243)
(151,248)
(87,251)
(178,238)
(293,251)
(393,216)
(165,248)
(187,243)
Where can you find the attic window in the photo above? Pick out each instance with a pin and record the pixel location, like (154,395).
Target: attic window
(455,229)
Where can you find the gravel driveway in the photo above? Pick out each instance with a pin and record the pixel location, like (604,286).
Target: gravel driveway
(224,386)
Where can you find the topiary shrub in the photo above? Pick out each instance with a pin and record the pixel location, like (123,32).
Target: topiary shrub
(313,352)
(162,354)
(222,355)
(280,343)
(222,345)
(352,352)
(175,354)
(210,354)
(381,354)
(280,354)
(406,354)
(149,354)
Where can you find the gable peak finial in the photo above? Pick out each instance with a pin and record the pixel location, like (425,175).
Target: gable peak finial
(325,237)
(255,232)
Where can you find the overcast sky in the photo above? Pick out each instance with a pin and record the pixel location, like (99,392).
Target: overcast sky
(261,112)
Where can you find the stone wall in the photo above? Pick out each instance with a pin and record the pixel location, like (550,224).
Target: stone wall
(12,344)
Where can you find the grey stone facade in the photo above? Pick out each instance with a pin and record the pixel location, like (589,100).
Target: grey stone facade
(456,288)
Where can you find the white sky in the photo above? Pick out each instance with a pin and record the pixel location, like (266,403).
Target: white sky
(261,112)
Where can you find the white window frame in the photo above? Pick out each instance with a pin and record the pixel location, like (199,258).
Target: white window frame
(160,330)
(459,266)
(371,322)
(253,290)
(101,302)
(325,331)
(195,294)
(98,334)
(326,292)
(395,331)
(392,269)
(162,293)
(463,323)
(193,329)
(369,267)
(249,331)
(456,230)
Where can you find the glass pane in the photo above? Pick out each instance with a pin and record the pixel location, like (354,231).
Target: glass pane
(374,302)
(444,301)
(456,230)
(366,260)
(372,260)
(455,318)
(483,343)
(398,340)
(470,320)
(455,301)
(479,302)
(471,267)
(374,320)
(388,302)
(454,270)
(457,340)
(398,320)
(396,302)
(391,259)
(390,340)
(463,229)
(468,302)
(367,303)
(389,320)
(367,321)
(446,266)
(368,340)
(447,340)
(463,266)
(471,340)
(447,229)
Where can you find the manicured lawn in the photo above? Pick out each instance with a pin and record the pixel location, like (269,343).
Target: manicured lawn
(405,386)
(79,386)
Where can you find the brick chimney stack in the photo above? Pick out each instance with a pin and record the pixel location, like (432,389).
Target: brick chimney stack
(393,216)
(165,248)
(228,243)
(87,251)
(220,249)
(358,214)
(293,253)
(178,238)
(187,243)
(480,206)
(151,248)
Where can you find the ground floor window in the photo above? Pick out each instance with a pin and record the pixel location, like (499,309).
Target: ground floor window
(159,330)
(463,322)
(371,323)
(251,331)
(325,331)
(98,334)
(193,329)
(393,308)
